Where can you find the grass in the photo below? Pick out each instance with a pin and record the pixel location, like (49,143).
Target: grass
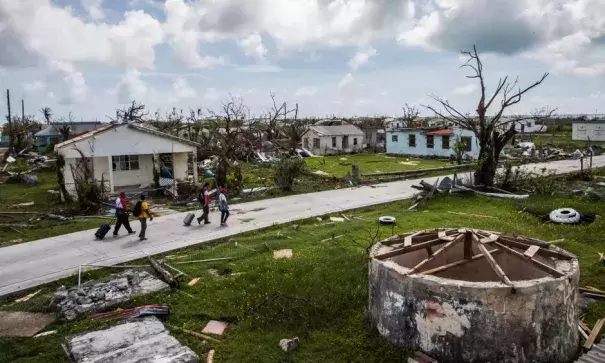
(330,276)
(339,166)
(562,140)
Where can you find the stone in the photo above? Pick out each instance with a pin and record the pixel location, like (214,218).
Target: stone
(22,324)
(445,184)
(145,340)
(215,327)
(59,296)
(288,345)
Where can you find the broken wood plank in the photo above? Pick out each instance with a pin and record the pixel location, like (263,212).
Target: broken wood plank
(414,247)
(166,276)
(468,246)
(489,239)
(582,332)
(494,265)
(542,266)
(472,215)
(594,333)
(531,251)
(584,326)
(407,241)
(594,295)
(439,252)
(457,263)
(544,251)
(199,335)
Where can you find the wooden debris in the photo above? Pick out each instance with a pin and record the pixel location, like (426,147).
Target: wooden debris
(468,246)
(166,276)
(594,333)
(491,238)
(601,257)
(415,247)
(494,265)
(195,334)
(457,263)
(206,260)
(556,241)
(210,358)
(332,238)
(472,215)
(345,217)
(434,255)
(584,327)
(583,333)
(407,241)
(542,266)
(27,297)
(531,251)
(194,281)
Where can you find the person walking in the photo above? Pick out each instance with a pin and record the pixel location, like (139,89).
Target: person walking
(223,207)
(121,206)
(204,199)
(143,212)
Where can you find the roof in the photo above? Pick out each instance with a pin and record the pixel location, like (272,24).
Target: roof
(133,126)
(75,128)
(336,130)
(593,121)
(440,132)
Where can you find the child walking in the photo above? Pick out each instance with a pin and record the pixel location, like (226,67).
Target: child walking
(144,213)
(223,207)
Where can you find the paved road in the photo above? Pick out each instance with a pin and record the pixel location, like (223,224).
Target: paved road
(30,264)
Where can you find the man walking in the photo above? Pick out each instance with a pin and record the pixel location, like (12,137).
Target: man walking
(121,206)
(204,199)
(142,211)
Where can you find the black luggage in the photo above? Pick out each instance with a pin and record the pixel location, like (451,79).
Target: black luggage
(102,231)
(188,219)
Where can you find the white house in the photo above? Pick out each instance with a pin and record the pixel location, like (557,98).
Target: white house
(593,130)
(122,155)
(333,137)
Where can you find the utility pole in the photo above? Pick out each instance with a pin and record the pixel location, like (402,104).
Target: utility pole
(10,124)
(22,110)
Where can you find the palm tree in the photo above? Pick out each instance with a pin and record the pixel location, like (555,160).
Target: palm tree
(47,113)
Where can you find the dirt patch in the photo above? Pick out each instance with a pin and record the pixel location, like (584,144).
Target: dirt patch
(21,324)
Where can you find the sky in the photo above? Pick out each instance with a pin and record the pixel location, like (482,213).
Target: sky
(332,57)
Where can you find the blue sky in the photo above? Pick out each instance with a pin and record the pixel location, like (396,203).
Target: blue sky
(333,57)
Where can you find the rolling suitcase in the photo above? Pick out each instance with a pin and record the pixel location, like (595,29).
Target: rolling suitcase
(188,219)
(102,231)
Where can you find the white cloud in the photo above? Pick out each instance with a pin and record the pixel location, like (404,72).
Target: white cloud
(94,8)
(347,80)
(362,57)
(181,90)
(306,91)
(384,93)
(131,87)
(34,86)
(253,46)
(212,94)
(465,90)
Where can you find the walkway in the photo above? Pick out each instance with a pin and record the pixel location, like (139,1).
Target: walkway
(34,263)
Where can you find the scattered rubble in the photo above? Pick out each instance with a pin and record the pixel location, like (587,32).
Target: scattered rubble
(146,340)
(138,312)
(337,219)
(215,327)
(282,254)
(23,324)
(95,296)
(50,332)
(23,205)
(288,345)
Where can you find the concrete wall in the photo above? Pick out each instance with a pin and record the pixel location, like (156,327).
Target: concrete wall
(471,321)
(325,144)
(584,131)
(401,147)
(179,163)
(143,176)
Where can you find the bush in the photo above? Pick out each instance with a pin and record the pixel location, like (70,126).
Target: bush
(286,171)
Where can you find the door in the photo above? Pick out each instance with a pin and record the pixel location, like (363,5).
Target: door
(345,142)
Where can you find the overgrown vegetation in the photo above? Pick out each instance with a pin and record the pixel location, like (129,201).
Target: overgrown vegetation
(287,171)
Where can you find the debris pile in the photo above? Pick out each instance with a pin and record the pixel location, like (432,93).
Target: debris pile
(95,296)
(146,340)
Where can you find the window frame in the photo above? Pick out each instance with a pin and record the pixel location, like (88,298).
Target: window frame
(316,143)
(412,140)
(333,141)
(445,145)
(354,141)
(467,141)
(394,138)
(431,144)
(125,162)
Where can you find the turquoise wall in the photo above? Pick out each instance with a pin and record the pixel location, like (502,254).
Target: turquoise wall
(401,147)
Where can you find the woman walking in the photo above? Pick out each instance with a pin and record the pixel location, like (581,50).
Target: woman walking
(223,207)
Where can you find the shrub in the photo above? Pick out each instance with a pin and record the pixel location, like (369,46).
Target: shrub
(286,171)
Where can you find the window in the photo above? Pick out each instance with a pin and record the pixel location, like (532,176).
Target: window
(412,140)
(394,138)
(125,162)
(315,143)
(466,140)
(430,141)
(355,141)
(445,142)
(333,142)
(306,143)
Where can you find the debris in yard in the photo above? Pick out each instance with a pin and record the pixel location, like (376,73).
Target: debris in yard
(27,297)
(207,260)
(199,335)
(594,333)
(472,215)
(210,358)
(321,172)
(495,195)
(585,218)
(410,163)
(194,281)
(282,254)
(22,324)
(54,192)
(564,216)
(337,219)
(420,357)
(288,345)
(58,217)
(95,296)
(319,219)
(332,238)
(556,241)
(22,205)
(215,327)
(446,183)
(50,332)
(387,220)
(146,340)
(145,310)
(20,240)
(166,275)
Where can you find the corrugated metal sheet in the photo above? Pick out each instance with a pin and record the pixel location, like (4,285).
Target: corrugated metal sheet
(595,355)
(337,130)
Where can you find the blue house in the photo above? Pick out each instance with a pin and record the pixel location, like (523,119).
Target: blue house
(431,142)
(53,135)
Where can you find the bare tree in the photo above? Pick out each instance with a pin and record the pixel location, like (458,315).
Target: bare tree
(133,113)
(47,113)
(492,131)
(410,115)
(295,129)
(20,131)
(274,117)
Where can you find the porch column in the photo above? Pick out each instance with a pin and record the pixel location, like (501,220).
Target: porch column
(194,158)
(110,161)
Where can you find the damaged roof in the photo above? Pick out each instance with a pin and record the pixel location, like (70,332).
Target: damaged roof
(75,128)
(342,130)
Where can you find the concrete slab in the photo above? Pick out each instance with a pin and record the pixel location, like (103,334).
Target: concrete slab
(215,327)
(146,340)
(22,324)
(34,263)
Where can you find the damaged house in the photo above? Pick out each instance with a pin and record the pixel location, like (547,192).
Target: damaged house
(57,132)
(431,142)
(333,137)
(128,156)
(593,130)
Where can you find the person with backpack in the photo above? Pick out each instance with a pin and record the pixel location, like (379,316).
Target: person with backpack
(204,199)
(223,206)
(121,206)
(142,212)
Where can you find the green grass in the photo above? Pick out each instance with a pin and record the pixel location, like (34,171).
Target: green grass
(562,140)
(339,166)
(330,276)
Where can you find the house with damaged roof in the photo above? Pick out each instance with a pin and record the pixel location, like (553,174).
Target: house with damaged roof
(331,137)
(437,142)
